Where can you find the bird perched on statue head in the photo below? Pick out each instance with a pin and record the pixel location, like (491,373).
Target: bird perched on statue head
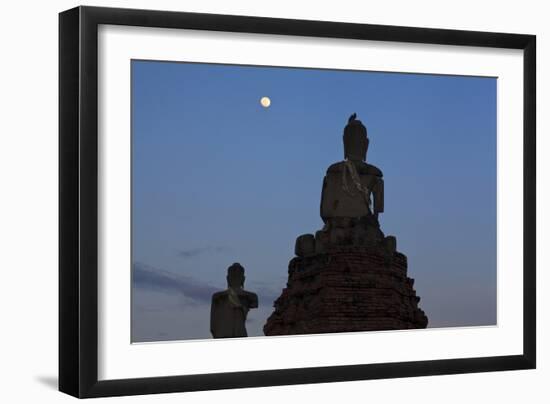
(352,117)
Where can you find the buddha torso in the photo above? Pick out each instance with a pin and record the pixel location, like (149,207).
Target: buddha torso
(229,311)
(351,189)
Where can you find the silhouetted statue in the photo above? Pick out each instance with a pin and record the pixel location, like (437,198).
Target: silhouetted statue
(230,307)
(348,276)
(351,200)
(351,186)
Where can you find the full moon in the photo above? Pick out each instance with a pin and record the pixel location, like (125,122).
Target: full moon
(265,101)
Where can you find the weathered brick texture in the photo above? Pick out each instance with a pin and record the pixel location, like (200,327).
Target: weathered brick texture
(346,289)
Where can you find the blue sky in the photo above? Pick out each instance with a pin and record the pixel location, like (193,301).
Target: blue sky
(217,179)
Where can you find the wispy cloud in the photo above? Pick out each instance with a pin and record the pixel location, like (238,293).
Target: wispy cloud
(147,277)
(151,278)
(194,252)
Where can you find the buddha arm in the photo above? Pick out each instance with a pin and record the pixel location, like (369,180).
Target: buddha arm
(378,192)
(212,309)
(254,302)
(321,205)
(252,299)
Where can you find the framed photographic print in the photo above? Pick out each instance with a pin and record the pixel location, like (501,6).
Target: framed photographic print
(249,201)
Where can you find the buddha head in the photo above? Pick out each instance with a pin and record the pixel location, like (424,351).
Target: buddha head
(356,142)
(235,276)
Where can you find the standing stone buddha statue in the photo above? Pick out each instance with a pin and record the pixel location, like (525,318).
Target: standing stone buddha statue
(230,307)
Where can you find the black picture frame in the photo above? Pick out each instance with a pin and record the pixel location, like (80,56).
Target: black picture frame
(78,201)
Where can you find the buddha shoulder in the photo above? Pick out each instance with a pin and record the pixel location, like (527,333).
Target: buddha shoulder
(219,295)
(361,167)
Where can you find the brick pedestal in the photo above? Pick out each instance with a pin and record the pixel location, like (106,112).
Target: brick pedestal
(346,289)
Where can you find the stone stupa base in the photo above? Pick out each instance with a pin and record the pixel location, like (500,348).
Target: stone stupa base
(346,289)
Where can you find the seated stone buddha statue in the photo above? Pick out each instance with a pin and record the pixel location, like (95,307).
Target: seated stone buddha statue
(353,188)
(352,197)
